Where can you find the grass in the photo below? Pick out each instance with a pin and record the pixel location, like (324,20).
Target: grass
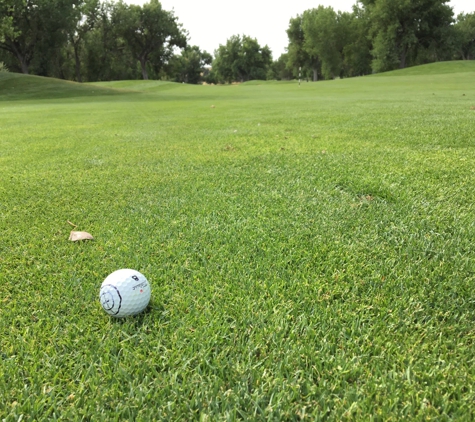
(310,250)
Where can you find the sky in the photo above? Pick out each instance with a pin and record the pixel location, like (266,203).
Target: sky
(211,22)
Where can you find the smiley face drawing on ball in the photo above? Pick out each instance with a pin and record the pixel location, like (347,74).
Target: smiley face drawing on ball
(111,300)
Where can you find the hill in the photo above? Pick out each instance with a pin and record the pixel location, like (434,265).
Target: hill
(15,86)
(438,68)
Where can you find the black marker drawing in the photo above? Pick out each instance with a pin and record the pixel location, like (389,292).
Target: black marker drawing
(111,300)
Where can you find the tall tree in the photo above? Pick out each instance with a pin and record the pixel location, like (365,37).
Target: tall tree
(400,27)
(326,33)
(105,56)
(357,52)
(85,17)
(465,35)
(299,59)
(227,60)
(256,59)
(34,27)
(148,31)
(242,59)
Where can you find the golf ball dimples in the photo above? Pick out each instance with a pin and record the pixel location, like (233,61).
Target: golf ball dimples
(125,292)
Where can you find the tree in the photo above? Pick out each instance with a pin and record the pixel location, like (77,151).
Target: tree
(31,28)
(300,60)
(242,59)
(465,35)
(326,33)
(256,59)
(280,68)
(84,20)
(357,52)
(105,56)
(399,28)
(227,61)
(189,66)
(148,32)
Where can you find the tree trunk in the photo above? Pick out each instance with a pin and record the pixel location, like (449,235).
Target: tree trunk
(22,58)
(315,75)
(77,63)
(402,63)
(143,64)
(24,65)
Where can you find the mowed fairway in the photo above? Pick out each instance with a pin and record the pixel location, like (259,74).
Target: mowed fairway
(311,249)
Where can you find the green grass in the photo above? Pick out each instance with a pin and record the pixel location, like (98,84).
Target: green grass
(310,249)
(438,68)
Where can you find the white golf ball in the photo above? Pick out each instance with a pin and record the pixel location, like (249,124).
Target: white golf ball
(125,292)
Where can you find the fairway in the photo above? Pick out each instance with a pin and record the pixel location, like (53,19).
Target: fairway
(310,249)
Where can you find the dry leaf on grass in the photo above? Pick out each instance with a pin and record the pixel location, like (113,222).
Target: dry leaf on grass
(74,236)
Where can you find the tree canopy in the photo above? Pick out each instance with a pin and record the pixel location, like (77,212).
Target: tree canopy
(32,29)
(300,59)
(465,36)
(326,33)
(149,32)
(242,59)
(190,65)
(378,35)
(400,29)
(85,18)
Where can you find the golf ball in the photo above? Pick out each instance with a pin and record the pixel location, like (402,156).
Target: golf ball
(124,292)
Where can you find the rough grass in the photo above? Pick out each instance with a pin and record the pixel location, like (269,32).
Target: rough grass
(310,250)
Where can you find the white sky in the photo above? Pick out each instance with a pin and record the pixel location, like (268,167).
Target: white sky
(211,22)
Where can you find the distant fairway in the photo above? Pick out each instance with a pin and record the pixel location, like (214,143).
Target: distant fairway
(311,249)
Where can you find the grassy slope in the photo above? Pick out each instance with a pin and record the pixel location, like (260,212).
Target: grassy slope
(14,86)
(440,68)
(310,249)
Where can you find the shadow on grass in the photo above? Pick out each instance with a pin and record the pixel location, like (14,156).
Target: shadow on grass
(152,312)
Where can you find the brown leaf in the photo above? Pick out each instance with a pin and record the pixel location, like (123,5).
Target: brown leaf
(75,236)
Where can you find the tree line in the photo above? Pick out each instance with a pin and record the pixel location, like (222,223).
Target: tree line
(377,36)
(90,40)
